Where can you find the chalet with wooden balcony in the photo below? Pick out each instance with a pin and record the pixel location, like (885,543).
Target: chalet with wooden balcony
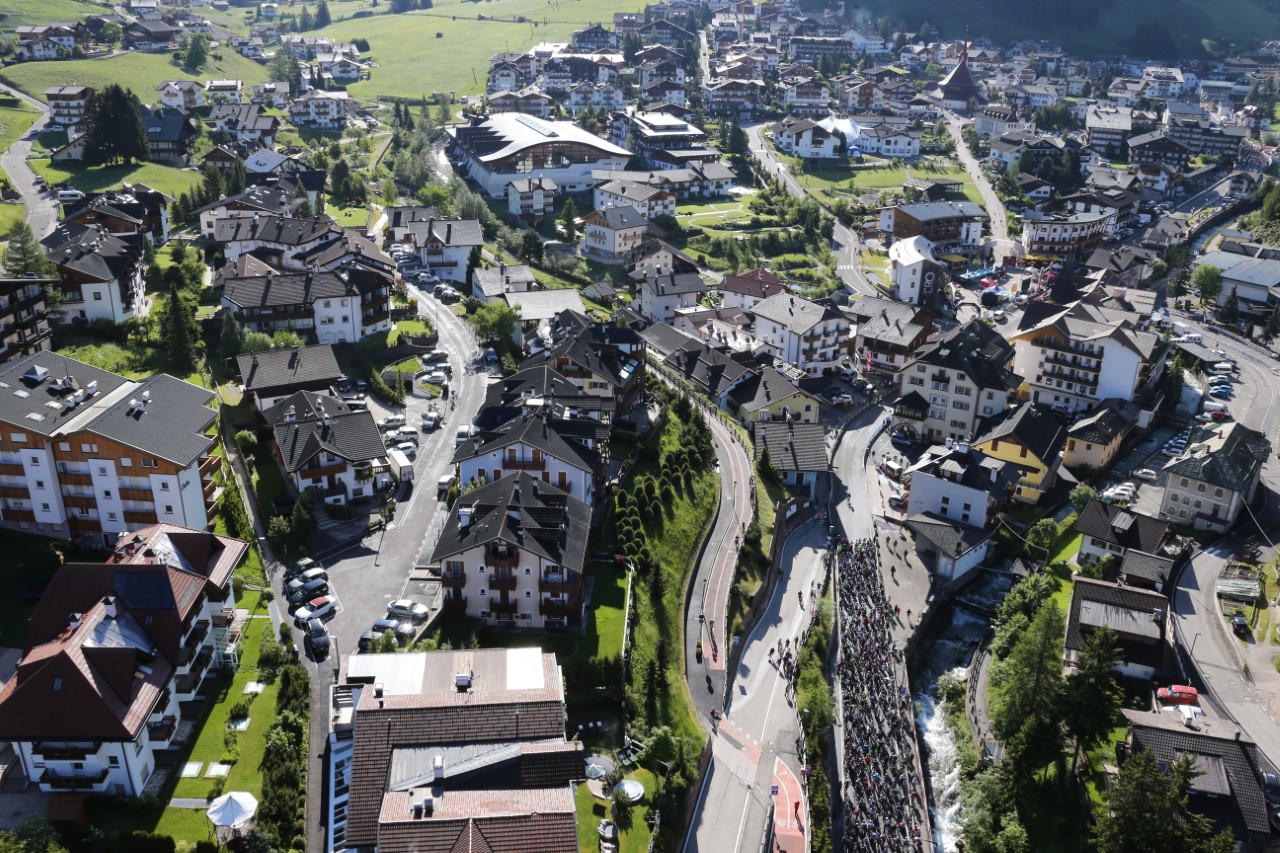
(132,209)
(599,358)
(567,453)
(813,337)
(543,385)
(116,654)
(269,377)
(513,552)
(342,306)
(99,274)
(24,317)
(340,457)
(86,452)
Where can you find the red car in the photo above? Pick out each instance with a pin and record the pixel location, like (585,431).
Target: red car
(1178,694)
(989,282)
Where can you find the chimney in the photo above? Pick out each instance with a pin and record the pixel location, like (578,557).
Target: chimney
(74,621)
(437,769)
(464,517)
(110,606)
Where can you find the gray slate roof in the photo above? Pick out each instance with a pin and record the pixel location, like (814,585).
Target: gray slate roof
(1038,429)
(171,425)
(977,350)
(1123,528)
(1229,455)
(1242,806)
(521,510)
(282,368)
(792,446)
(540,433)
(353,436)
(1113,417)
(950,536)
(1141,602)
(276,229)
(797,314)
(1151,567)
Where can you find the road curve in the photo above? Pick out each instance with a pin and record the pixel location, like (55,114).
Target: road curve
(42,208)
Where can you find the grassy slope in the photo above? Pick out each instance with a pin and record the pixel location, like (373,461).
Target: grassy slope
(1189,20)
(412,62)
(167,179)
(141,72)
(15,13)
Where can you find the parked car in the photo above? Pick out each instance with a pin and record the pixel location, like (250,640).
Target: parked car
(437,377)
(1146,474)
(307,591)
(842,400)
(401,629)
(1220,391)
(902,440)
(407,608)
(297,582)
(1271,787)
(897,502)
(392,421)
(1178,694)
(317,608)
(317,639)
(430,420)
(1220,416)
(303,565)
(408,448)
(1220,380)
(1240,626)
(366,641)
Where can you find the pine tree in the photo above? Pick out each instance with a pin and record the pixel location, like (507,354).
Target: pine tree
(180,332)
(304,22)
(197,53)
(24,255)
(114,129)
(569,220)
(322,15)
(1230,312)
(232,336)
(1091,698)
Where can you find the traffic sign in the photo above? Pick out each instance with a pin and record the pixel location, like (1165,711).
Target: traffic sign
(775,791)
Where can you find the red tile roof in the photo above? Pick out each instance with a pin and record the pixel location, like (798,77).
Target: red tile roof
(503,821)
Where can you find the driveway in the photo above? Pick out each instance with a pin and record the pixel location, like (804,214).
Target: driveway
(42,207)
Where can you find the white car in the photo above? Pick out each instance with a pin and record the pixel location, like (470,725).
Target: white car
(430,420)
(1146,474)
(407,608)
(317,608)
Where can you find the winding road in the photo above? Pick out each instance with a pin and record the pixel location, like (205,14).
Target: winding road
(42,207)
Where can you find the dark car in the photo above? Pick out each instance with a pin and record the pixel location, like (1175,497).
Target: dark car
(1271,787)
(299,581)
(299,567)
(367,639)
(308,591)
(1240,625)
(901,439)
(317,639)
(402,630)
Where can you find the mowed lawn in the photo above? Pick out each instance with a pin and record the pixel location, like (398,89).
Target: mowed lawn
(842,182)
(141,72)
(14,122)
(92,179)
(413,62)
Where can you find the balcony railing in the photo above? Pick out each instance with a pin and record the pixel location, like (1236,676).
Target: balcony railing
(188,683)
(72,781)
(322,470)
(1076,361)
(16,469)
(209,464)
(557,608)
(194,642)
(455,604)
(524,464)
(20,492)
(507,608)
(63,753)
(453,580)
(502,581)
(141,495)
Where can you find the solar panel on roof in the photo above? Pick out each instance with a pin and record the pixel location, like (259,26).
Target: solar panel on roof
(535,125)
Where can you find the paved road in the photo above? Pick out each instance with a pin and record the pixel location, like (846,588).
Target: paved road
(995,209)
(42,207)
(370,573)
(1218,657)
(709,589)
(760,728)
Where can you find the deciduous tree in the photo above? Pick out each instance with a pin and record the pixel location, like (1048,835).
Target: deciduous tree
(1206,281)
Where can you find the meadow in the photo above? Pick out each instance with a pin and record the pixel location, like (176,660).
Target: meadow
(141,72)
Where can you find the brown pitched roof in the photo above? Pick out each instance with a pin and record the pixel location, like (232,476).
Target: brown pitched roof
(503,821)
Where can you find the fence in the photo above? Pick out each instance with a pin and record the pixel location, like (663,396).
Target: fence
(983,738)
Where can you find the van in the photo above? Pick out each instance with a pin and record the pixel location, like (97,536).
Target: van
(464,433)
(70,195)
(891,469)
(444,484)
(1190,339)
(400,465)
(1222,367)
(1214,406)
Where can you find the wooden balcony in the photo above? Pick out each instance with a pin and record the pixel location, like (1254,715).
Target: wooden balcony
(72,781)
(507,558)
(557,608)
(140,517)
(19,515)
(505,608)
(73,501)
(502,581)
(453,580)
(14,492)
(322,470)
(455,604)
(209,464)
(65,478)
(13,468)
(524,464)
(568,586)
(140,495)
(63,753)
(86,525)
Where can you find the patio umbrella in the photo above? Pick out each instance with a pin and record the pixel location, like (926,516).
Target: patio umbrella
(232,813)
(595,771)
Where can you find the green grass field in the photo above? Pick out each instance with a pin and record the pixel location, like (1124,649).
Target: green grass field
(14,13)
(412,62)
(167,179)
(141,72)
(14,122)
(10,215)
(831,183)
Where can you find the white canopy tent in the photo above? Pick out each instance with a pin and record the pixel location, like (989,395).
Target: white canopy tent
(232,814)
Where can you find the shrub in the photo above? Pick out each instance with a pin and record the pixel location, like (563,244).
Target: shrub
(247,442)
(271,656)
(149,842)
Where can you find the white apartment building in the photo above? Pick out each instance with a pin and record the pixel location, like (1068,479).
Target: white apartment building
(561,453)
(1210,483)
(86,452)
(610,233)
(651,201)
(810,336)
